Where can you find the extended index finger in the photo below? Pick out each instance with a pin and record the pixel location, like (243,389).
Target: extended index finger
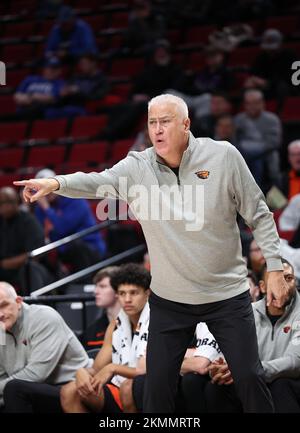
(23,182)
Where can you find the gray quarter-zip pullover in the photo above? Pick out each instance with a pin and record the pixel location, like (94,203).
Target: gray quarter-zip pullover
(196,254)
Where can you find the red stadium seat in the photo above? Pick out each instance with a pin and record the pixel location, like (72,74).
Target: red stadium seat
(291,109)
(8,179)
(126,67)
(174,36)
(120,149)
(49,129)
(45,27)
(196,61)
(198,34)
(244,56)
(116,40)
(122,90)
(15,77)
(20,30)
(97,22)
(88,126)
(11,158)
(46,156)
(119,20)
(287,25)
(12,132)
(89,153)
(83,4)
(7,104)
(24,7)
(272,105)
(17,54)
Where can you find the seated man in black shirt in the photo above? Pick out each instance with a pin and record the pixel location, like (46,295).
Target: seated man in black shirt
(20,233)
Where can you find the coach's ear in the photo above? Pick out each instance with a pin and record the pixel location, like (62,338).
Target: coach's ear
(262,287)
(187,124)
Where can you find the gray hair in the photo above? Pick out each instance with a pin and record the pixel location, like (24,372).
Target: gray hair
(8,289)
(294,144)
(167,98)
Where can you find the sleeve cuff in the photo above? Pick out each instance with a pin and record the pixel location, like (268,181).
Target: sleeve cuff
(274,265)
(62,183)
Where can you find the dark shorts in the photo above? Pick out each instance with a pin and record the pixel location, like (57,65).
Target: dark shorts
(112,401)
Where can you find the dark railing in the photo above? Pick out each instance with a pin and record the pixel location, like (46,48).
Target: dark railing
(55,299)
(52,300)
(68,239)
(91,269)
(38,252)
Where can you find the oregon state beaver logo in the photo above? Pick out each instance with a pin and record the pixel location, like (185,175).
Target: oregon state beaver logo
(203,174)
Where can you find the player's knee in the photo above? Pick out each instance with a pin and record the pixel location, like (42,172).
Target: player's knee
(67,394)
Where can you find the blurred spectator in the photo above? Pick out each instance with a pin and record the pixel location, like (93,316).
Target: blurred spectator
(190,12)
(20,233)
(70,37)
(271,70)
(225,129)
(289,220)
(142,141)
(214,76)
(253,287)
(205,126)
(228,38)
(259,135)
(40,354)
(146,262)
(107,300)
(253,9)
(256,260)
(162,73)
(63,216)
(49,8)
(88,83)
(37,93)
(144,28)
(290,182)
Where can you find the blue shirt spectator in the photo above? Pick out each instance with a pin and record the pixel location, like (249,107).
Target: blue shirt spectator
(70,37)
(68,216)
(37,93)
(38,84)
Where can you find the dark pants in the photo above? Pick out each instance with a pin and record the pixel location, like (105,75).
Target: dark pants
(285,393)
(171,329)
(191,392)
(21,396)
(222,399)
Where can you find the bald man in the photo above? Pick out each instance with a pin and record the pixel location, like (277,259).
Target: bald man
(38,352)
(20,233)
